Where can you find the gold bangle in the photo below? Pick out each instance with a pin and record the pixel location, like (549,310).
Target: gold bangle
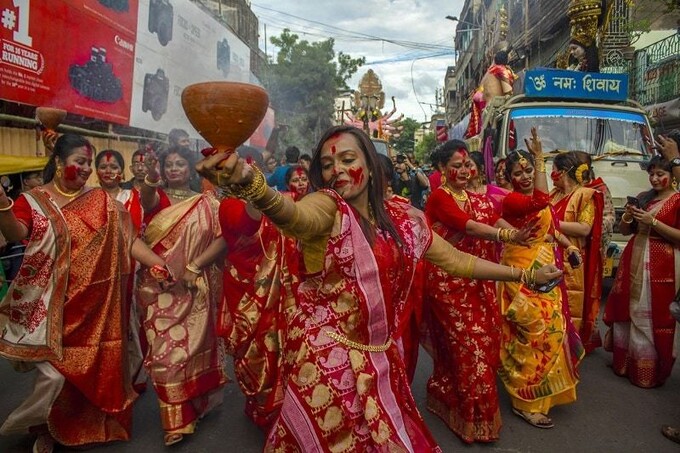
(629,219)
(540,165)
(655,221)
(191,267)
(152,184)
(9,206)
(255,189)
(274,201)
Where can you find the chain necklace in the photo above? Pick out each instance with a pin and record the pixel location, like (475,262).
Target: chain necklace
(180,194)
(66,194)
(461,196)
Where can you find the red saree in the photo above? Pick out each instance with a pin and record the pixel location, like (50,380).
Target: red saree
(346,389)
(261,276)
(67,306)
(584,284)
(185,357)
(464,322)
(642,329)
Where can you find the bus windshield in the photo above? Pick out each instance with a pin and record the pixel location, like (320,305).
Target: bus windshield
(597,131)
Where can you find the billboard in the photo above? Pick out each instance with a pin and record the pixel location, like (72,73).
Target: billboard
(122,61)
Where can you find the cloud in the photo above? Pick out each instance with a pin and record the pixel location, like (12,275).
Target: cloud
(399,68)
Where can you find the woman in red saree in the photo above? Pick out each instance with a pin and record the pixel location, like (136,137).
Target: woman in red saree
(185,359)
(540,349)
(463,318)
(66,310)
(578,215)
(345,383)
(642,329)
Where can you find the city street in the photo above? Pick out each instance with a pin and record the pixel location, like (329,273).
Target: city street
(611,415)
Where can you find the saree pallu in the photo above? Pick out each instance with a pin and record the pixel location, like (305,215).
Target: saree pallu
(463,320)
(346,389)
(261,277)
(584,284)
(185,359)
(642,331)
(538,360)
(67,305)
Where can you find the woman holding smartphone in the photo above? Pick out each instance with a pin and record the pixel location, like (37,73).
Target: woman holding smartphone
(637,311)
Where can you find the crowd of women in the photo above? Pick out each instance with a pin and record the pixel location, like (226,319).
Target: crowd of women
(321,294)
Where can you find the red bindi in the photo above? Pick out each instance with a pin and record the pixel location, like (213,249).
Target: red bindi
(300,171)
(333,150)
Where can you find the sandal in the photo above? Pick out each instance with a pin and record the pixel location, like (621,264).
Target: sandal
(671,433)
(172,438)
(535,419)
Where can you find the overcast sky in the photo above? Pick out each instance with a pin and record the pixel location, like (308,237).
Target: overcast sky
(400,68)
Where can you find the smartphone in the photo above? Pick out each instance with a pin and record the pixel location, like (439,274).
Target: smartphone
(574,260)
(548,286)
(633,201)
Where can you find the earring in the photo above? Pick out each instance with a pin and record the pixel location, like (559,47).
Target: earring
(443,180)
(675,184)
(58,173)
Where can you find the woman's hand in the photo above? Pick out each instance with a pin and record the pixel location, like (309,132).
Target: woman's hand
(641,216)
(668,148)
(152,166)
(526,233)
(225,169)
(534,146)
(574,257)
(547,273)
(189,279)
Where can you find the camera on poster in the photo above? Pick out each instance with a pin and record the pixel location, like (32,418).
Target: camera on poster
(95,79)
(155,94)
(161,17)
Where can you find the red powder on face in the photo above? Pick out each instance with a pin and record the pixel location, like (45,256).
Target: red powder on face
(357,175)
(555,175)
(249,160)
(71,173)
(473,172)
(88,150)
(108,156)
(516,184)
(452,174)
(462,152)
(333,150)
(300,171)
(664,182)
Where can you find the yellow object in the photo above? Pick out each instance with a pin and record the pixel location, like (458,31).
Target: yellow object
(10,165)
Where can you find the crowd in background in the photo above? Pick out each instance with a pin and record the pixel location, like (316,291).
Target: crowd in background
(158,278)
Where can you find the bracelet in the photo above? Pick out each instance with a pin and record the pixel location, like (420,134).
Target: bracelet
(573,247)
(255,189)
(655,221)
(540,165)
(9,206)
(627,220)
(273,202)
(512,273)
(506,235)
(191,267)
(152,184)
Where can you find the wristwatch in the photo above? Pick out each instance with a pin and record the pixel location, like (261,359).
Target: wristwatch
(675,162)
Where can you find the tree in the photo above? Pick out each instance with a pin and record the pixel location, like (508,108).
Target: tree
(425,147)
(405,143)
(303,83)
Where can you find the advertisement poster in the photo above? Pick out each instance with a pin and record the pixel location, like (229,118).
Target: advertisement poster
(179,44)
(77,63)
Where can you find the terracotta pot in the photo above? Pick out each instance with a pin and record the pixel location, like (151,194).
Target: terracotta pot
(50,117)
(225,113)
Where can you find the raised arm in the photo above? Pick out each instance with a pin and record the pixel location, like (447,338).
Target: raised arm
(536,149)
(11,228)
(148,192)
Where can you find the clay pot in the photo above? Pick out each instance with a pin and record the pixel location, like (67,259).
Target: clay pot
(50,117)
(225,113)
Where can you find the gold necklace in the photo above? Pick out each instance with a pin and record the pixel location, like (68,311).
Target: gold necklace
(180,194)
(66,194)
(461,196)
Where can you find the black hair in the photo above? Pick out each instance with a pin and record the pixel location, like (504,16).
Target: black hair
(514,158)
(567,162)
(62,149)
(28,174)
(445,151)
(306,157)
(584,158)
(175,135)
(658,162)
(187,154)
(478,159)
(292,154)
(376,182)
(116,155)
(501,57)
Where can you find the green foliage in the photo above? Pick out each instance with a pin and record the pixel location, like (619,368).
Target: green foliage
(405,142)
(302,85)
(425,147)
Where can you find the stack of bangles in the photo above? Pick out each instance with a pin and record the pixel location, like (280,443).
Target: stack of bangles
(255,192)
(527,277)
(150,183)
(193,268)
(627,218)
(506,235)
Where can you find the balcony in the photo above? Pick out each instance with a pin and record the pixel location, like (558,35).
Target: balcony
(657,72)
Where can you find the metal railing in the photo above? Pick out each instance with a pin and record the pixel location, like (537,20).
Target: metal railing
(656,72)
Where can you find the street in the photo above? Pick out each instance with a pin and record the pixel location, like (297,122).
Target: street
(611,415)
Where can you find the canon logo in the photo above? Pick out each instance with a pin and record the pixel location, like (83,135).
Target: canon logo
(124,44)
